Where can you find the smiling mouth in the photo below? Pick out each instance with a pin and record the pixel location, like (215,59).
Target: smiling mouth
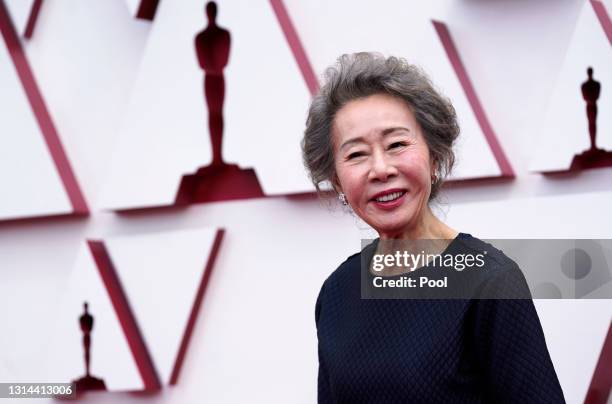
(390,197)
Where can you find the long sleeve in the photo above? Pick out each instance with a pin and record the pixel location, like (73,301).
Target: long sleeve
(324,393)
(510,345)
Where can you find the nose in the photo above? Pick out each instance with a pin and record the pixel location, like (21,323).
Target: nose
(382,167)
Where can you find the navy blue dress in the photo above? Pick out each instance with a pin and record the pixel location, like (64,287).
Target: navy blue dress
(431,351)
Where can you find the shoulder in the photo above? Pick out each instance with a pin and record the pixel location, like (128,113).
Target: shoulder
(346,273)
(495,256)
(339,276)
(495,260)
(350,267)
(501,276)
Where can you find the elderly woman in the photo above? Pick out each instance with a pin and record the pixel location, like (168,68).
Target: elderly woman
(382,137)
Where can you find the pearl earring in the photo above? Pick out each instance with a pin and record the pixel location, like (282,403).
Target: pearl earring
(342,198)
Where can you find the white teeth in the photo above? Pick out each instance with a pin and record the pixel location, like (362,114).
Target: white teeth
(390,197)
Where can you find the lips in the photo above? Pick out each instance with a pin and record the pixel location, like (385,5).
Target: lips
(387,193)
(390,201)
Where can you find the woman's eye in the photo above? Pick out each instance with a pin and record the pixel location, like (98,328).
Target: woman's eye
(353,155)
(396,144)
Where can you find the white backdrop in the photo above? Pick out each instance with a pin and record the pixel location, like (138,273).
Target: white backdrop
(254,340)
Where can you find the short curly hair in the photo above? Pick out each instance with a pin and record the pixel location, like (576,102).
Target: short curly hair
(362,74)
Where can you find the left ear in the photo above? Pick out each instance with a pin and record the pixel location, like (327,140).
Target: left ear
(335,182)
(434,169)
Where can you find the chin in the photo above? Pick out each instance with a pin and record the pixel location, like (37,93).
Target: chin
(394,227)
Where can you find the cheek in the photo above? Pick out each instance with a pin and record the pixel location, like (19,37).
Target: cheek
(352,181)
(417,168)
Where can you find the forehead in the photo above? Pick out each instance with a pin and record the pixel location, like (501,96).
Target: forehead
(371,115)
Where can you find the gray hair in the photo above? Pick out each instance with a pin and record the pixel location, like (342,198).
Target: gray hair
(362,74)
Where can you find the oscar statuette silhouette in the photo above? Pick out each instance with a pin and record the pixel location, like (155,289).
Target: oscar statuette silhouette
(593,157)
(87,382)
(218,181)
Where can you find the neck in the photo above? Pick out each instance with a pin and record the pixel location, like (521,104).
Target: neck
(427,226)
(430,235)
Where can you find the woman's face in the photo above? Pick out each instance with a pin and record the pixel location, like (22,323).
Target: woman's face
(380,152)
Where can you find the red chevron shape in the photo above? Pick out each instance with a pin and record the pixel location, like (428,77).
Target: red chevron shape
(128,321)
(39,108)
(601,382)
(470,92)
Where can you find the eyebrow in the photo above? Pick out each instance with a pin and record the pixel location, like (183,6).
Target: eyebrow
(359,139)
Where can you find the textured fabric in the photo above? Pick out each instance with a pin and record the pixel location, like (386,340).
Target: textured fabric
(432,351)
